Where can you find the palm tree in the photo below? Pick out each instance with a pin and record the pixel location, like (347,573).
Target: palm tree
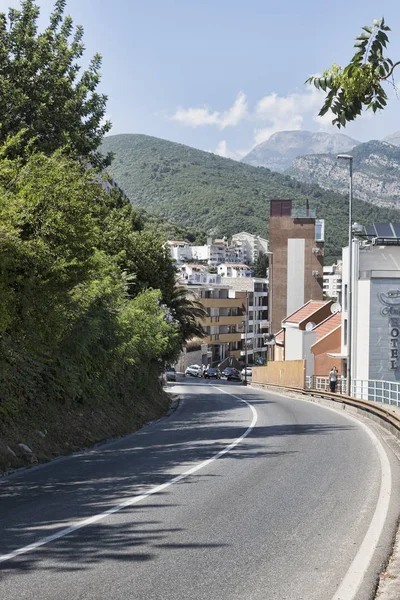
(188,311)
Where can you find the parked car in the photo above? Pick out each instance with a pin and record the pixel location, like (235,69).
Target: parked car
(170,374)
(228,370)
(212,372)
(234,375)
(194,370)
(248,371)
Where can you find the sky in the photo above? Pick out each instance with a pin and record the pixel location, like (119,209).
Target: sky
(224,75)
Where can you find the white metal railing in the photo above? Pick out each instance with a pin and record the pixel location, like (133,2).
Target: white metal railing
(322,383)
(374,390)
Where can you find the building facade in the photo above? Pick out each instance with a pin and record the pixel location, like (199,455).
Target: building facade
(332,284)
(254,294)
(296,245)
(375,306)
(242,248)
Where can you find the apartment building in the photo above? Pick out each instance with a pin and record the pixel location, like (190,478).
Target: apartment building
(249,246)
(332,280)
(234,270)
(296,244)
(224,322)
(254,294)
(244,248)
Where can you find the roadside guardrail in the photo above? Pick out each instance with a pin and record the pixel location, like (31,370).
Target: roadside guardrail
(389,417)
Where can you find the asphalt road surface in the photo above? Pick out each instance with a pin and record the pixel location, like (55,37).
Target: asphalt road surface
(238,495)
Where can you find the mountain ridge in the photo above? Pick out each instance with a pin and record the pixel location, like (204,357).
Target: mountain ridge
(376,172)
(279,150)
(221,196)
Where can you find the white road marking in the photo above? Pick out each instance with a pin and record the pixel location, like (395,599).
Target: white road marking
(354,577)
(135,499)
(359,567)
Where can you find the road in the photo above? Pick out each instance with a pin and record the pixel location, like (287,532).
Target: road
(239,494)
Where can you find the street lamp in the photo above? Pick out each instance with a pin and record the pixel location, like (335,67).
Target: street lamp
(349,158)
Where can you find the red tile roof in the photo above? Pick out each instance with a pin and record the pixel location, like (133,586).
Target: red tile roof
(280,337)
(327,326)
(303,313)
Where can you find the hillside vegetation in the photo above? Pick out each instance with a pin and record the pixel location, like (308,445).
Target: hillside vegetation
(222,196)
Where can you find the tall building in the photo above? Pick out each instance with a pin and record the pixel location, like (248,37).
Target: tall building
(254,294)
(296,242)
(375,304)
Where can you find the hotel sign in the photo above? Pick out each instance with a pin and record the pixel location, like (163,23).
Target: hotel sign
(391,309)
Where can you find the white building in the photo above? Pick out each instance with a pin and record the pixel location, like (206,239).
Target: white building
(180,250)
(375,305)
(332,280)
(249,246)
(243,248)
(233,270)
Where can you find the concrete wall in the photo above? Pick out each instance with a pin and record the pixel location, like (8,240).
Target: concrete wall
(289,373)
(293,343)
(196,357)
(295,275)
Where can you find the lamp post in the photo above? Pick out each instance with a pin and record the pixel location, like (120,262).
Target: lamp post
(349,158)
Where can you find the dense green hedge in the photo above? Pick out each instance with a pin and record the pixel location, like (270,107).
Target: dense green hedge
(82,287)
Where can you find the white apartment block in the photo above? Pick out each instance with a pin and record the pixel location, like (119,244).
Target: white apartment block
(244,248)
(332,280)
(249,246)
(233,270)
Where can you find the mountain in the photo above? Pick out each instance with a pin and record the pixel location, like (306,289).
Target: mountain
(221,196)
(393,138)
(279,151)
(376,172)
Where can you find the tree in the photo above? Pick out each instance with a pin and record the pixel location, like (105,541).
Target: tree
(40,90)
(359,85)
(188,311)
(261,265)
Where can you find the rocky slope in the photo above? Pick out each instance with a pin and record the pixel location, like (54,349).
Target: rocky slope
(393,138)
(221,196)
(376,172)
(279,151)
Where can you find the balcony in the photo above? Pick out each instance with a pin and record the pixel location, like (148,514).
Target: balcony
(219,321)
(221,338)
(222,302)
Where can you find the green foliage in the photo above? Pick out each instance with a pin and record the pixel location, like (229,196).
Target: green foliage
(40,88)
(188,312)
(261,265)
(359,85)
(80,316)
(221,196)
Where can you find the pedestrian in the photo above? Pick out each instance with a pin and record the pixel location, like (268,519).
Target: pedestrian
(333,375)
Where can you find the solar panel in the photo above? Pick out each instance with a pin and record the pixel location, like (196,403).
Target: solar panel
(384,230)
(370,230)
(396,227)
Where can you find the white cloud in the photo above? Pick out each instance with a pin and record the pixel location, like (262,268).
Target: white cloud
(223,150)
(286,113)
(196,117)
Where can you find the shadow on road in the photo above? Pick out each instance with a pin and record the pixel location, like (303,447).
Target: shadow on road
(38,503)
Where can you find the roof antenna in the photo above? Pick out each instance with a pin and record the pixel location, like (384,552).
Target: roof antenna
(307,207)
